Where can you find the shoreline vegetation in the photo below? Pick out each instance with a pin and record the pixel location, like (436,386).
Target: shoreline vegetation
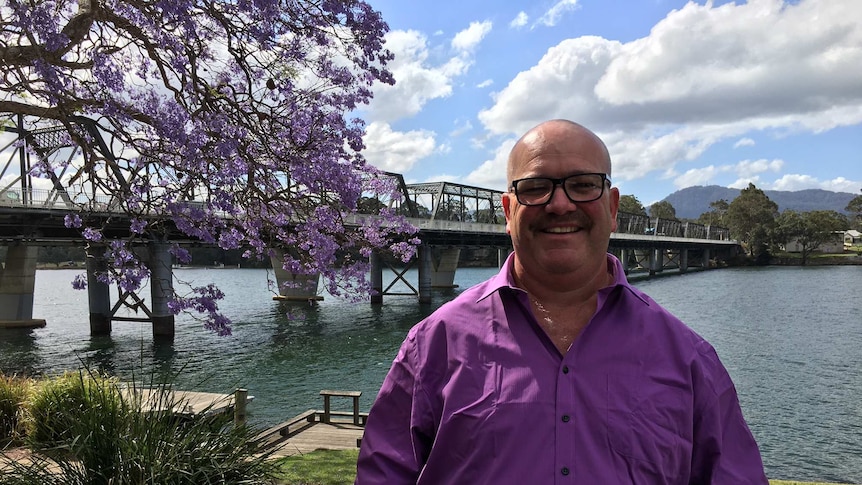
(51,431)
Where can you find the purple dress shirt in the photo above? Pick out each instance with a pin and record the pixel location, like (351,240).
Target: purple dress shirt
(479,394)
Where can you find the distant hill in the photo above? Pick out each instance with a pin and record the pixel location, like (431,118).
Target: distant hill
(691,202)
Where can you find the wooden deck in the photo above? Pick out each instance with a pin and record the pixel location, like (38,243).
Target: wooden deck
(318,429)
(186,403)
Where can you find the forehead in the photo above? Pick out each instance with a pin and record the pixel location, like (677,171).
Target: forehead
(558,152)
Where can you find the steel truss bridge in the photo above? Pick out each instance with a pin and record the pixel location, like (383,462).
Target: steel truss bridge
(450,217)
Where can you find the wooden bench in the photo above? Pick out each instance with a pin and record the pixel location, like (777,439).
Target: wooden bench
(327,410)
(288,428)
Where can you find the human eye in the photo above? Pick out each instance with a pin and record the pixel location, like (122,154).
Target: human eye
(583,183)
(533,186)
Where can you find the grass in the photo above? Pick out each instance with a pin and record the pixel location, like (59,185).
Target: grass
(322,467)
(13,394)
(785,482)
(331,467)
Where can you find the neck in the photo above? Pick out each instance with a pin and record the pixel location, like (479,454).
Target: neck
(562,290)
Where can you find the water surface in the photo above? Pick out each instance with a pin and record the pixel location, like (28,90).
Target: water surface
(790,337)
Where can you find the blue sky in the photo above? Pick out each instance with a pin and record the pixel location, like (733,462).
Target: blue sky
(683,93)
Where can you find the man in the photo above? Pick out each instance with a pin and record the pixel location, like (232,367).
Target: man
(557,370)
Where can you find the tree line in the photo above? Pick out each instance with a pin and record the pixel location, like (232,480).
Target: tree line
(754,220)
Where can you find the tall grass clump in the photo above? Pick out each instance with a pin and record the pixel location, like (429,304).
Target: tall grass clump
(13,393)
(96,431)
(73,406)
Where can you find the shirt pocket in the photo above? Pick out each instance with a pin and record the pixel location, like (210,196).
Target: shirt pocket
(647,420)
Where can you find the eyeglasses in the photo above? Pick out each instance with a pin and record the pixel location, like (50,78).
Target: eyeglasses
(582,187)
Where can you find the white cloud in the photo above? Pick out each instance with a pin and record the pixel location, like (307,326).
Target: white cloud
(743,182)
(396,151)
(793,182)
(744,170)
(419,76)
(461,127)
(416,81)
(553,15)
(758,166)
(703,74)
(491,173)
(696,176)
(520,20)
(469,38)
(744,142)
(486,83)
(742,60)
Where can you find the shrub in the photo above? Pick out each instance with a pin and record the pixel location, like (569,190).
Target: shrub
(95,432)
(13,392)
(66,407)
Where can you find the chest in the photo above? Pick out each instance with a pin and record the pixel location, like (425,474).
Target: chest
(562,325)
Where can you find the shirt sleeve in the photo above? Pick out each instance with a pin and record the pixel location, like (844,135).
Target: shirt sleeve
(394,446)
(724,450)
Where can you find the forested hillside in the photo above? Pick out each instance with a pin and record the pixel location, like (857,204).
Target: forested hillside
(691,202)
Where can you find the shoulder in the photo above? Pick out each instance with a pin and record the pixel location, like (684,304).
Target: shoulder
(706,366)
(633,317)
(467,308)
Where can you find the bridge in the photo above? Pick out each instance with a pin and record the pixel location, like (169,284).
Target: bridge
(450,217)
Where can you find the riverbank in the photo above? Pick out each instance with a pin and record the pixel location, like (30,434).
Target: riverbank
(851,259)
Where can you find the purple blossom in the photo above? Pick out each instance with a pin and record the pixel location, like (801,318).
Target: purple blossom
(72,221)
(91,234)
(80,282)
(137,226)
(226,149)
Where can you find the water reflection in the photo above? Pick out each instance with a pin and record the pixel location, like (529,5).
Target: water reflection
(100,354)
(19,351)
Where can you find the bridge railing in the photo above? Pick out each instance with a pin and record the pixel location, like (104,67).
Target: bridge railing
(53,199)
(639,224)
(626,223)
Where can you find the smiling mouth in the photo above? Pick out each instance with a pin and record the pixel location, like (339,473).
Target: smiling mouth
(562,230)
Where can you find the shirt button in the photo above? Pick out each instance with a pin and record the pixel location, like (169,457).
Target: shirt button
(566,418)
(565,369)
(564,470)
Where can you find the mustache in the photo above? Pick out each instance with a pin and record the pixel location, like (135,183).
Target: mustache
(574,218)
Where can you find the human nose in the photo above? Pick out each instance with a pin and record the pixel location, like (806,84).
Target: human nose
(559,202)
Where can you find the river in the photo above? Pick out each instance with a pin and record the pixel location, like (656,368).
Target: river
(791,337)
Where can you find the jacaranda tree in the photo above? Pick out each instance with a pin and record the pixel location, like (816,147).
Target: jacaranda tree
(229,120)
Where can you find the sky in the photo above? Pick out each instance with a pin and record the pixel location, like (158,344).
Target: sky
(683,93)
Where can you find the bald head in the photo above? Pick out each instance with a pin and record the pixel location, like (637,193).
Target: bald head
(555,136)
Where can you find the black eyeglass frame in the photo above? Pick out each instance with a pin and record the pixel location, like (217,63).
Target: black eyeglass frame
(561,182)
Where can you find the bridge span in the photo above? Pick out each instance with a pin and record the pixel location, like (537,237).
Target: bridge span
(450,218)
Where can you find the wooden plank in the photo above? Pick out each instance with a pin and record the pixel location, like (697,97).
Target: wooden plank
(187,403)
(288,428)
(327,394)
(322,436)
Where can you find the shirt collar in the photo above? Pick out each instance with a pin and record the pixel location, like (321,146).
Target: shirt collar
(504,279)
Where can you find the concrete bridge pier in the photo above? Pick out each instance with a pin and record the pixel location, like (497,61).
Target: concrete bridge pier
(17,283)
(502,254)
(376,278)
(161,289)
(291,286)
(98,292)
(624,259)
(683,260)
(443,275)
(705,258)
(426,273)
(656,261)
